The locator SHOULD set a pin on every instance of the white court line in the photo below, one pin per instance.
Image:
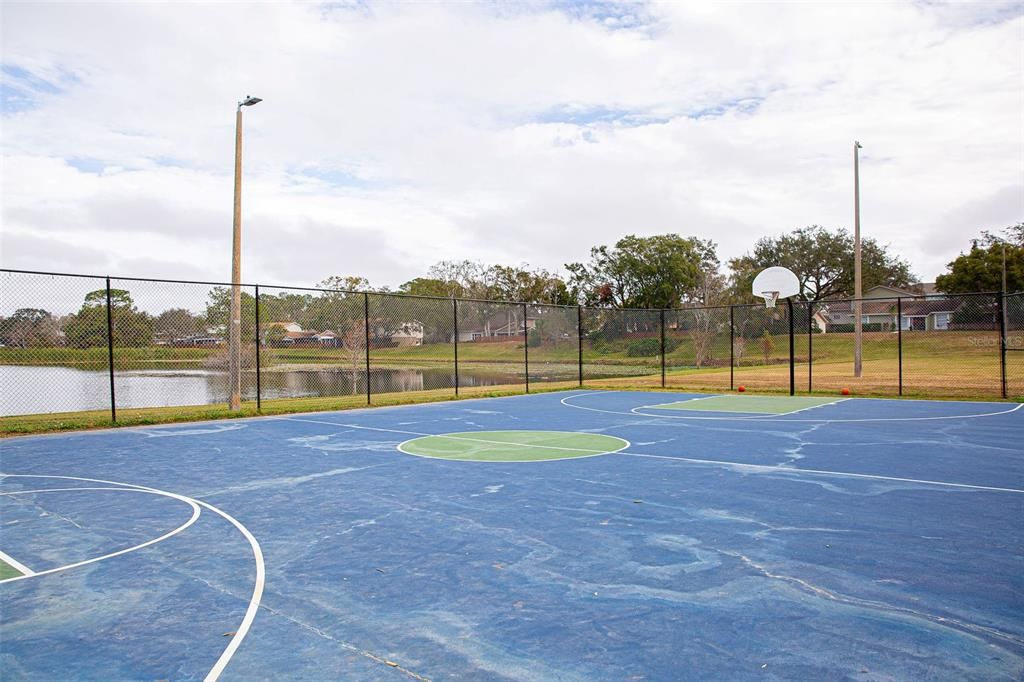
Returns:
(472, 440)
(257, 592)
(15, 564)
(172, 533)
(753, 415)
(595, 453)
(563, 401)
(770, 469)
(814, 407)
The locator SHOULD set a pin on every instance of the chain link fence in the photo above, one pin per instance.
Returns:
(412, 344)
(833, 346)
(75, 343)
(698, 348)
(492, 345)
(170, 342)
(621, 347)
(761, 347)
(952, 346)
(1013, 353)
(553, 342)
(55, 355)
(312, 343)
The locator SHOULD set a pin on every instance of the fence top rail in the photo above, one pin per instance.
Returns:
(396, 294)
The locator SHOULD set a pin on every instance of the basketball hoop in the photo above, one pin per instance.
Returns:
(770, 298)
(774, 283)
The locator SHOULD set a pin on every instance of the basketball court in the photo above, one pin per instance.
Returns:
(577, 535)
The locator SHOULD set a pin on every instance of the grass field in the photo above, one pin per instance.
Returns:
(963, 365)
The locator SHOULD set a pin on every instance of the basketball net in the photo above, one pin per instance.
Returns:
(770, 298)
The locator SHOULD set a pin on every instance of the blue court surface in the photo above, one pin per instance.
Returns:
(857, 539)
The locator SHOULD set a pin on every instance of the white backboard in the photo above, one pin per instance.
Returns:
(776, 279)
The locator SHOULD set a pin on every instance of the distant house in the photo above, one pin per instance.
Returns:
(820, 320)
(197, 341)
(496, 327)
(285, 326)
(408, 334)
(292, 334)
(328, 339)
(879, 309)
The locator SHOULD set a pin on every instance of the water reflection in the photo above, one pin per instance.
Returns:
(66, 389)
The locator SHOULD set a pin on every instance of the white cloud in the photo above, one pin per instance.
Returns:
(396, 135)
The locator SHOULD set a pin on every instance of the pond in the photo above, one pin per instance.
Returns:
(36, 390)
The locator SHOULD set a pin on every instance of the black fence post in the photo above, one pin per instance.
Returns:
(110, 355)
(366, 333)
(732, 348)
(899, 341)
(792, 359)
(810, 346)
(526, 348)
(259, 404)
(1001, 307)
(663, 348)
(455, 319)
(579, 338)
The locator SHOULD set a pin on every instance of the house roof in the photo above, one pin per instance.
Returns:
(917, 289)
(885, 290)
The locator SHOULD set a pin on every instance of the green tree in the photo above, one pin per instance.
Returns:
(286, 306)
(822, 261)
(346, 283)
(273, 335)
(522, 285)
(981, 268)
(88, 327)
(663, 271)
(176, 323)
(428, 286)
(29, 327)
(218, 308)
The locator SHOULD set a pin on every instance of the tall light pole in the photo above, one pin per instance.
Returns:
(858, 327)
(235, 318)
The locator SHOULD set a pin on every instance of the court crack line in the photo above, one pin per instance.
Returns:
(346, 645)
(774, 469)
(941, 621)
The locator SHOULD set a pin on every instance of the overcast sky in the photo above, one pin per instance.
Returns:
(395, 135)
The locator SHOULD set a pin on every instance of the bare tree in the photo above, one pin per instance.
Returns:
(353, 343)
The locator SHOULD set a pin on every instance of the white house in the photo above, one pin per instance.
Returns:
(409, 334)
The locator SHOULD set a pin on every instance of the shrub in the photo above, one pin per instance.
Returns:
(645, 348)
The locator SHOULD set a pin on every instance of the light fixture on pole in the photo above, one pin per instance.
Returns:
(235, 316)
(858, 325)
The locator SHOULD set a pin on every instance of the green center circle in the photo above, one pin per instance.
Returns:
(513, 446)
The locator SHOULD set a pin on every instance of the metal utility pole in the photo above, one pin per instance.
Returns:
(1004, 268)
(858, 327)
(235, 316)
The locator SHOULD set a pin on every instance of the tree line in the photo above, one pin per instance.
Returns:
(660, 271)
(672, 271)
